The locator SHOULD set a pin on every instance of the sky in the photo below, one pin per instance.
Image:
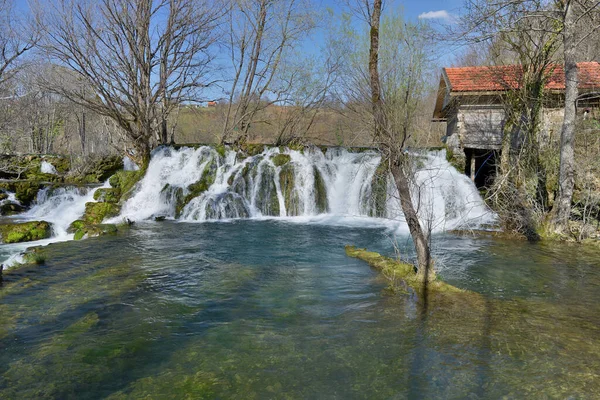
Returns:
(436, 12)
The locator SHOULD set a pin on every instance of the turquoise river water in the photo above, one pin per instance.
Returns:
(275, 310)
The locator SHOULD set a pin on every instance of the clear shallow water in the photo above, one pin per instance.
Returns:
(270, 309)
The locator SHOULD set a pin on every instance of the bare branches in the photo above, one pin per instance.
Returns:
(136, 60)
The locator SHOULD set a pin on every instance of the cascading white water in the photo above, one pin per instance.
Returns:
(201, 184)
(60, 206)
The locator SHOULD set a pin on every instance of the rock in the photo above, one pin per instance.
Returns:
(95, 213)
(3, 196)
(83, 229)
(287, 182)
(320, 192)
(11, 208)
(281, 159)
(125, 181)
(25, 231)
(160, 218)
(25, 191)
(107, 195)
(102, 169)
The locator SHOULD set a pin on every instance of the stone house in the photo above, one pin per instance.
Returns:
(470, 102)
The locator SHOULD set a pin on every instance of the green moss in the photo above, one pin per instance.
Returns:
(287, 179)
(397, 271)
(197, 188)
(457, 160)
(252, 149)
(320, 192)
(125, 181)
(25, 231)
(34, 256)
(280, 159)
(26, 192)
(101, 169)
(107, 195)
(379, 191)
(95, 213)
(221, 150)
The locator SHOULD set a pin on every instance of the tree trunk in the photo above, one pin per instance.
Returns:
(566, 177)
(394, 150)
(420, 239)
(376, 101)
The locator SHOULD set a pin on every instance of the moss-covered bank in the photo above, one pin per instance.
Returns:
(399, 272)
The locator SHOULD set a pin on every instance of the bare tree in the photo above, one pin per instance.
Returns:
(261, 33)
(388, 93)
(17, 36)
(140, 58)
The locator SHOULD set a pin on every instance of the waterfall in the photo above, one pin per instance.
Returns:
(60, 206)
(203, 184)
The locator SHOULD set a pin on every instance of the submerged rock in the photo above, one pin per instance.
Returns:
(83, 229)
(25, 231)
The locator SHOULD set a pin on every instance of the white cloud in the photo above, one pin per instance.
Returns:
(441, 14)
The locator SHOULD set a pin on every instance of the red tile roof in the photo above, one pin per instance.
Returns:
(499, 78)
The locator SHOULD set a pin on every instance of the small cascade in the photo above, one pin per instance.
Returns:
(206, 183)
(60, 206)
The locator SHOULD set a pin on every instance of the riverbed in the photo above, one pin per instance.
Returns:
(275, 309)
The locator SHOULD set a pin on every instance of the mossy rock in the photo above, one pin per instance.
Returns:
(287, 182)
(320, 192)
(3, 196)
(34, 256)
(93, 230)
(83, 229)
(25, 231)
(457, 160)
(221, 150)
(107, 195)
(267, 200)
(280, 159)
(379, 191)
(125, 181)
(252, 149)
(95, 213)
(11, 208)
(197, 188)
(25, 191)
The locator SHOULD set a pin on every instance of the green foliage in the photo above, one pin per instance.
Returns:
(25, 231)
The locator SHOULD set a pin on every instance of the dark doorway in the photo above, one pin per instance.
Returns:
(480, 165)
